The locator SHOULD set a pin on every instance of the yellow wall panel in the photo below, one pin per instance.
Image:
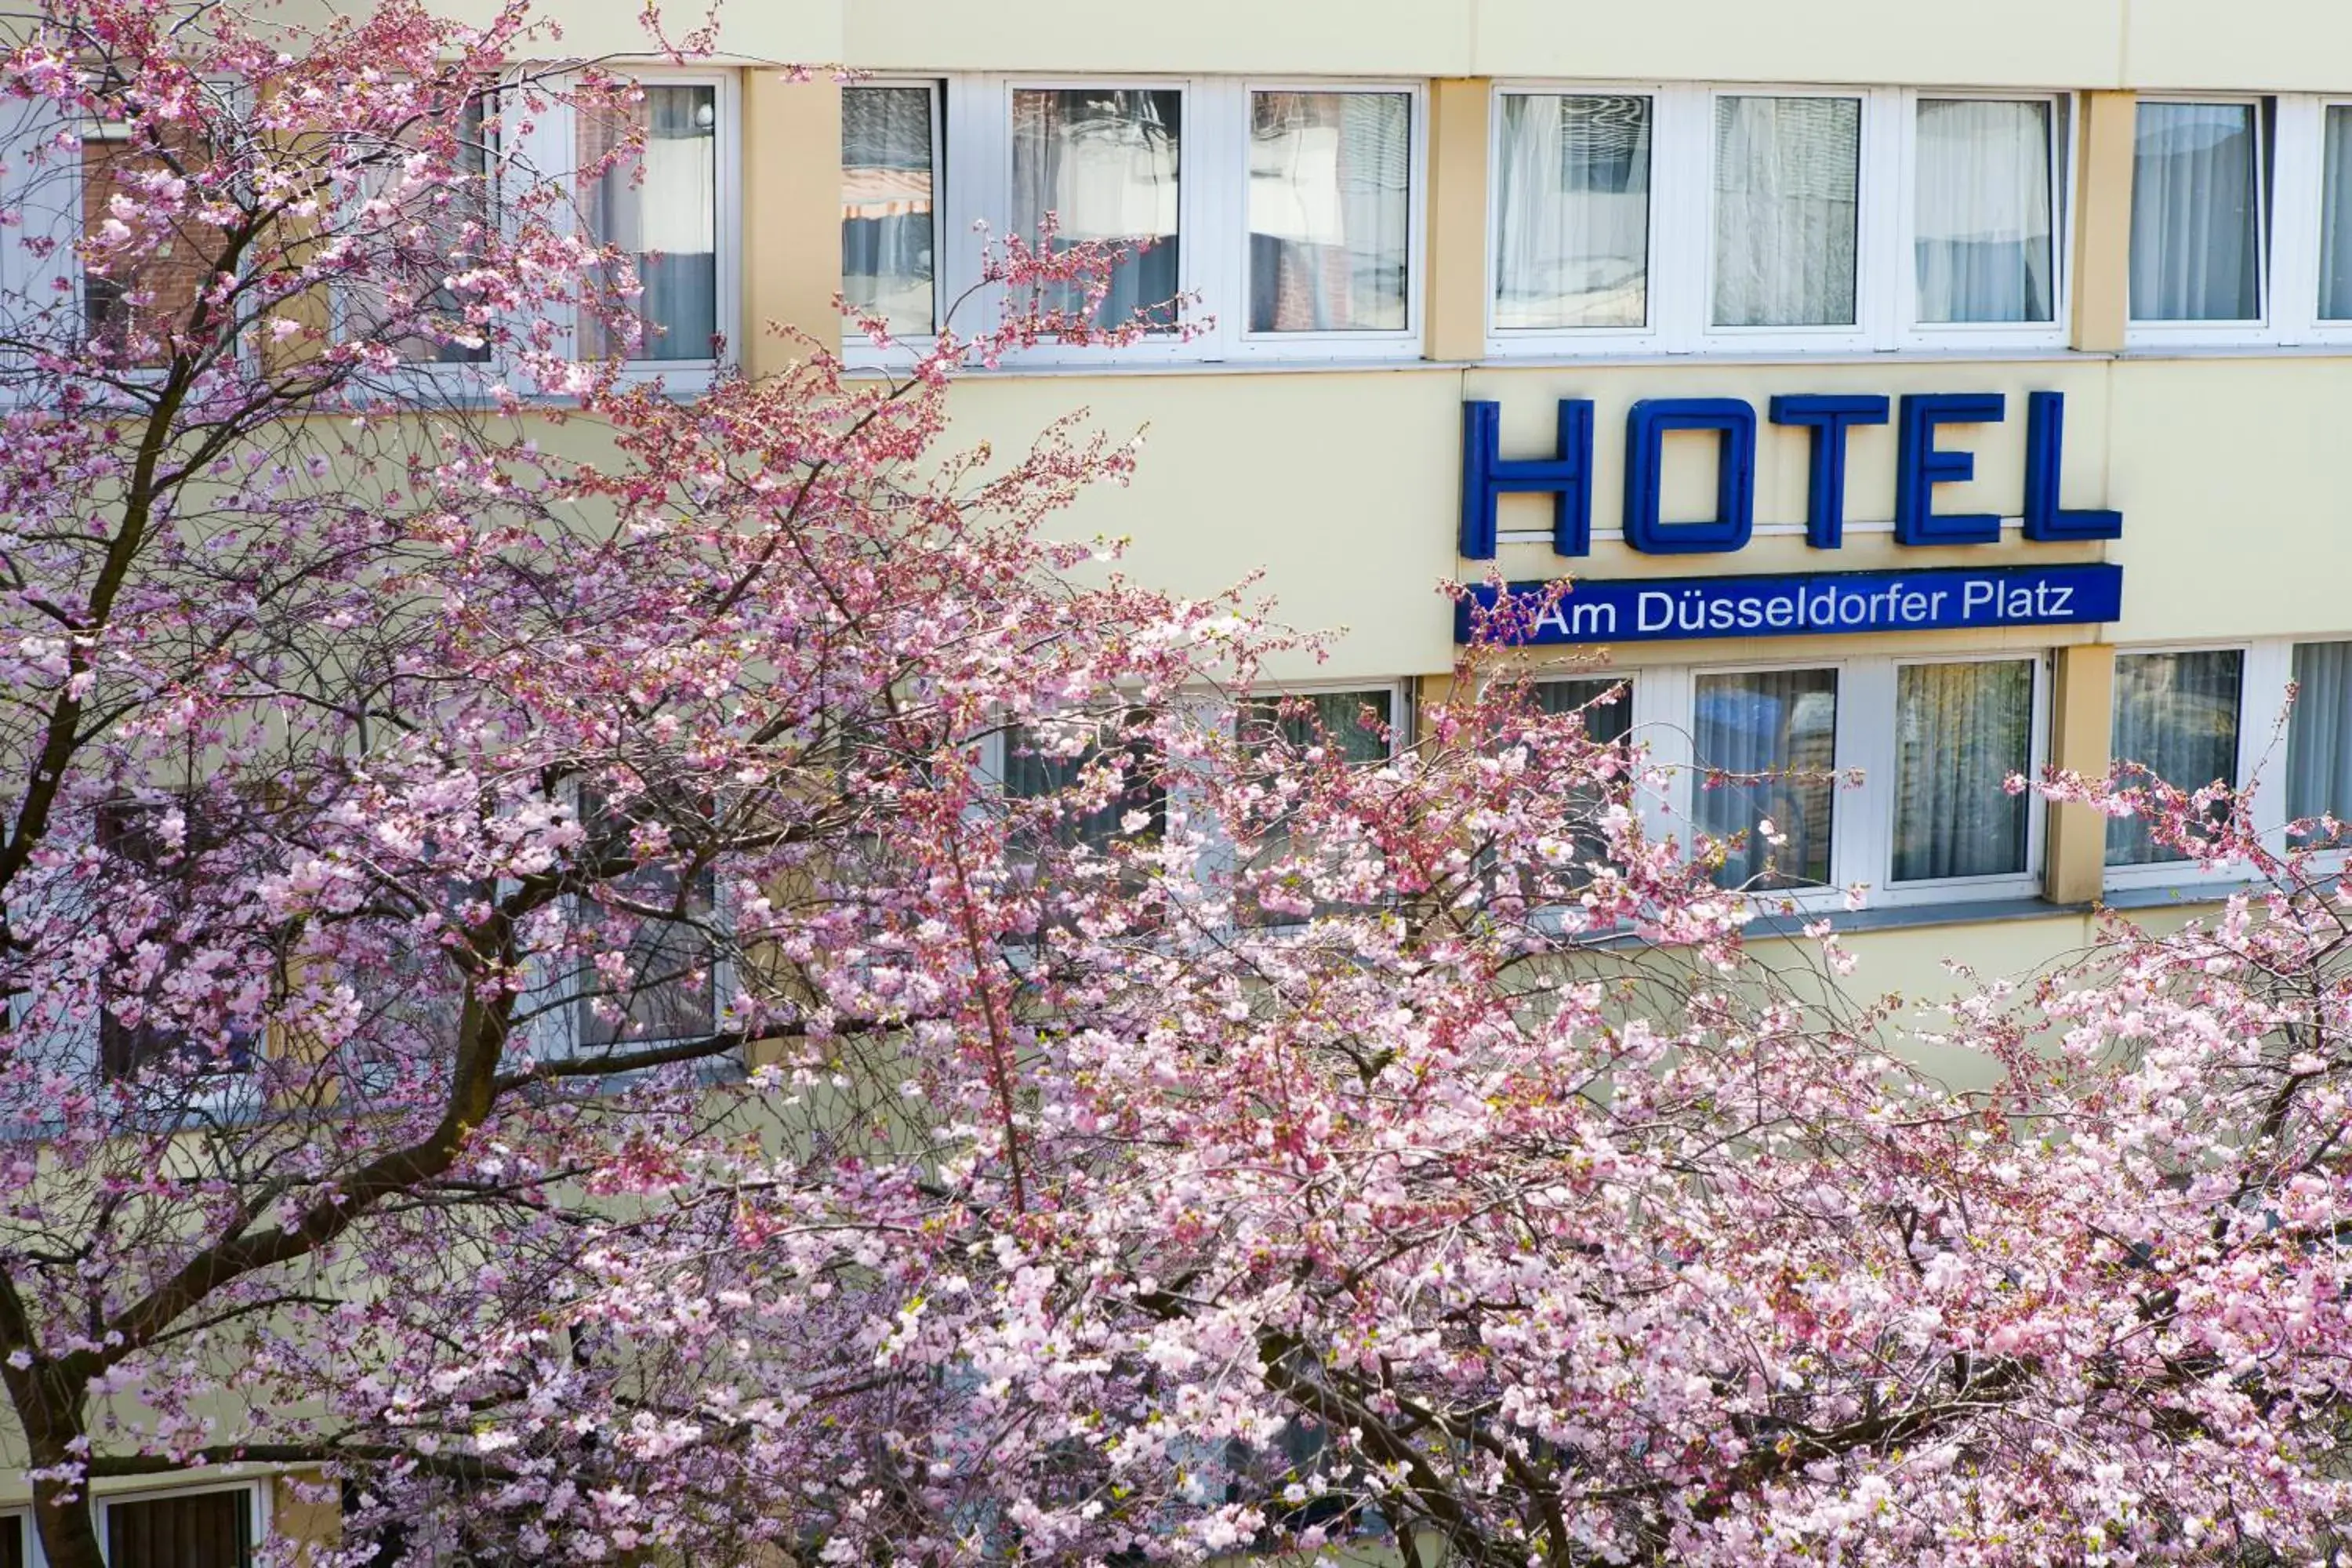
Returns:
(1379, 37)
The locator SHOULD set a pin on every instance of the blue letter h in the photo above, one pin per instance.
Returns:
(1567, 478)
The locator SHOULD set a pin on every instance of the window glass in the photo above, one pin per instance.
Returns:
(1328, 211)
(150, 861)
(2176, 719)
(1607, 705)
(1786, 183)
(661, 210)
(133, 306)
(12, 1540)
(1032, 773)
(1984, 219)
(889, 206)
(1960, 731)
(1782, 724)
(440, 233)
(192, 1530)
(1103, 161)
(2319, 732)
(2195, 255)
(2336, 217)
(1357, 722)
(670, 990)
(1572, 218)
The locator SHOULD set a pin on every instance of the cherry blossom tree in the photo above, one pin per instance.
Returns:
(611, 975)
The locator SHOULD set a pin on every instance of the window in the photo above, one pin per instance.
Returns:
(1961, 729)
(1675, 218)
(1330, 220)
(436, 235)
(1983, 246)
(153, 851)
(1572, 211)
(136, 307)
(14, 1528)
(662, 212)
(1782, 722)
(1361, 725)
(1105, 163)
(2336, 216)
(1787, 236)
(1266, 218)
(2176, 717)
(2319, 732)
(183, 1530)
(2196, 213)
(668, 986)
(1038, 766)
(1607, 705)
(889, 205)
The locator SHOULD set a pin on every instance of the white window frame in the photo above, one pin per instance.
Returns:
(975, 173)
(1880, 758)
(1681, 286)
(2298, 219)
(2264, 328)
(257, 1499)
(2262, 686)
(1875, 151)
(857, 353)
(552, 146)
(1664, 722)
(1969, 337)
(1668, 104)
(1404, 344)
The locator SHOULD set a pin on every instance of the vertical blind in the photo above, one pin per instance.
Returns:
(1961, 729)
(1104, 162)
(1329, 211)
(1984, 213)
(2336, 217)
(1780, 724)
(2176, 717)
(193, 1529)
(1573, 212)
(1786, 179)
(2195, 252)
(889, 206)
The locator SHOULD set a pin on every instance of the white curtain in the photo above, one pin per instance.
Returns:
(1779, 722)
(1984, 210)
(2193, 245)
(1572, 215)
(2336, 218)
(1787, 173)
(666, 218)
(1330, 219)
(1960, 731)
(2177, 720)
(887, 215)
(1105, 163)
(2319, 735)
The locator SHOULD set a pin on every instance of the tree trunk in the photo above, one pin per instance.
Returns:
(61, 1512)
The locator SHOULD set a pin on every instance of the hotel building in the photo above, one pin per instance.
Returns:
(1936, 396)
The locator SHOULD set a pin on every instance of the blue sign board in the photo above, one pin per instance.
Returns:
(1808, 604)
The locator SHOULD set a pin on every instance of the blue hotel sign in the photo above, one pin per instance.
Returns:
(1810, 603)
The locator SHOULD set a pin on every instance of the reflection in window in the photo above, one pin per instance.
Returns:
(2319, 733)
(1329, 215)
(1984, 215)
(2176, 717)
(1960, 731)
(889, 206)
(1103, 161)
(2195, 253)
(661, 211)
(439, 233)
(1572, 219)
(1781, 724)
(1787, 178)
(133, 305)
